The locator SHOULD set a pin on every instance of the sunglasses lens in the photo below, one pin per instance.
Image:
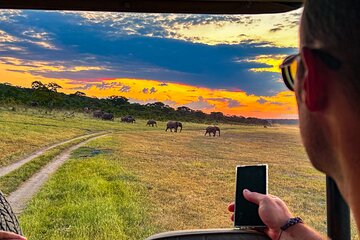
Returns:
(289, 70)
(292, 72)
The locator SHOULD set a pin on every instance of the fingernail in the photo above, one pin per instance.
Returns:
(246, 191)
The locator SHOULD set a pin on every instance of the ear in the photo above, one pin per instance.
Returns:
(315, 79)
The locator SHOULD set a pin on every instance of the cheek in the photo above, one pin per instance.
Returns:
(315, 143)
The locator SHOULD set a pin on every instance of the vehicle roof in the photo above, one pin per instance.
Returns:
(160, 6)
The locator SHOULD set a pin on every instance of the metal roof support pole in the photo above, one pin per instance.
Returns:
(338, 213)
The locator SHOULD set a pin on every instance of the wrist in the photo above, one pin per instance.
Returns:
(300, 232)
(291, 222)
(289, 226)
(295, 232)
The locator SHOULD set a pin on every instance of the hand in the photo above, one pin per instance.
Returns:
(272, 211)
(10, 236)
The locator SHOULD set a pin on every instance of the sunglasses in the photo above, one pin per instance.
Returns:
(290, 65)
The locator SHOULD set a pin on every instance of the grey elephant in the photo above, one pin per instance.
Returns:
(128, 119)
(98, 113)
(173, 125)
(213, 130)
(131, 120)
(151, 123)
(107, 116)
(87, 110)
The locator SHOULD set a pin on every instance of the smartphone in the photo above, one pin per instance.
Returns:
(253, 178)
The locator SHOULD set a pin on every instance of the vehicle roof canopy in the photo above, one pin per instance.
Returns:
(160, 6)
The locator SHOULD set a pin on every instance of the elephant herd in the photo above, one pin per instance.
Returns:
(175, 125)
(171, 125)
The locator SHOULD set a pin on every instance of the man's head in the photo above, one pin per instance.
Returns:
(335, 27)
(329, 32)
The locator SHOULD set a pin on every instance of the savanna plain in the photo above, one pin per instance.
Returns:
(139, 180)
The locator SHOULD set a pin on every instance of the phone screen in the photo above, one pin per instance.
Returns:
(253, 178)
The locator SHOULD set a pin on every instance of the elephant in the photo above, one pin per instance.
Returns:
(98, 113)
(34, 104)
(124, 119)
(87, 110)
(213, 130)
(151, 123)
(173, 125)
(128, 119)
(107, 116)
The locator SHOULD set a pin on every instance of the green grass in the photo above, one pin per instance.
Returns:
(146, 178)
(24, 132)
(90, 197)
(11, 181)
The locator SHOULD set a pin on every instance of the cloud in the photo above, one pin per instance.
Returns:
(9, 15)
(264, 63)
(145, 90)
(205, 29)
(262, 101)
(277, 29)
(7, 38)
(153, 90)
(233, 103)
(106, 86)
(200, 104)
(125, 88)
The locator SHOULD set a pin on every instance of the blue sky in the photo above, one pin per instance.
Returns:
(229, 53)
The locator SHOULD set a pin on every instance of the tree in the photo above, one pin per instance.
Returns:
(37, 85)
(216, 115)
(156, 105)
(80, 94)
(185, 109)
(53, 86)
(118, 100)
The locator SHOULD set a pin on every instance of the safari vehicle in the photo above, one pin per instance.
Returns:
(337, 210)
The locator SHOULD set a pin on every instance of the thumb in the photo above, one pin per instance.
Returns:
(253, 197)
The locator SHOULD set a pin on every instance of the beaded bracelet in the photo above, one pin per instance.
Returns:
(290, 222)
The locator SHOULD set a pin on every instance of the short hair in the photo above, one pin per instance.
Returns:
(336, 24)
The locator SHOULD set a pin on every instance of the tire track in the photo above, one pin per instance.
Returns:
(9, 168)
(20, 197)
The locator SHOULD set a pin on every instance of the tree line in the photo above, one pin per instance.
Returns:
(47, 96)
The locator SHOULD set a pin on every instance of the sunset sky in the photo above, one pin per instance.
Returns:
(226, 63)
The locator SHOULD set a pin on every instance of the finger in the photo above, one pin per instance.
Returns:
(272, 196)
(231, 207)
(253, 197)
(9, 235)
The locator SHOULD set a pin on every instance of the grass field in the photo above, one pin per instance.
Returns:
(11, 181)
(22, 133)
(144, 178)
(91, 197)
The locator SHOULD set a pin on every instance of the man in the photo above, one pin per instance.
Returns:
(325, 76)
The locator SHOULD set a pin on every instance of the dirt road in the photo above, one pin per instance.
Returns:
(19, 198)
(7, 169)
